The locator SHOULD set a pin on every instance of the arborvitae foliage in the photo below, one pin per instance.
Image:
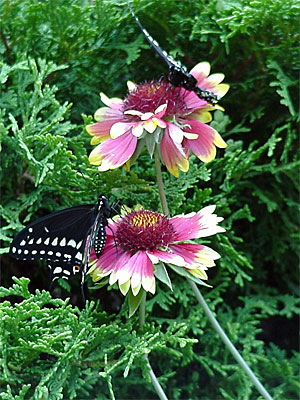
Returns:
(56, 56)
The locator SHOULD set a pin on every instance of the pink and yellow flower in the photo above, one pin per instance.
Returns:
(141, 240)
(158, 114)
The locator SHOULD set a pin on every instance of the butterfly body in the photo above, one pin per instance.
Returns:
(178, 74)
(65, 238)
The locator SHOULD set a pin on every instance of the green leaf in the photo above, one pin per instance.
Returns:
(183, 272)
(134, 301)
(161, 273)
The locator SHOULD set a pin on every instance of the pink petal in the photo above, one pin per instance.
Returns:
(186, 227)
(119, 128)
(139, 268)
(115, 152)
(106, 113)
(195, 225)
(192, 101)
(188, 251)
(161, 110)
(200, 71)
(173, 155)
(176, 133)
(204, 146)
(100, 129)
(167, 256)
(114, 103)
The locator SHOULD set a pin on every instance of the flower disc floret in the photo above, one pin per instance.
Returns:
(147, 96)
(144, 230)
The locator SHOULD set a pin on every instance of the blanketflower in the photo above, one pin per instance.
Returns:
(139, 242)
(156, 113)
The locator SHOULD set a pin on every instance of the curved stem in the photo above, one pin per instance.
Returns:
(200, 298)
(154, 381)
(142, 312)
(227, 342)
(160, 183)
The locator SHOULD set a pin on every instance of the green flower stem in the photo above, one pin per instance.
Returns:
(161, 190)
(142, 312)
(200, 298)
(154, 381)
(227, 342)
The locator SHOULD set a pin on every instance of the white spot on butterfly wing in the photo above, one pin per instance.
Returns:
(57, 270)
(46, 242)
(23, 243)
(13, 249)
(63, 242)
(39, 241)
(79, 245)
(30, 241)
(78, 256)
(30, 230)
(72, 243)
(46, 229)
(55, 241)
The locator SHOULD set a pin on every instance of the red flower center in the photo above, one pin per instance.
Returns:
(144, 230)
(147, 96)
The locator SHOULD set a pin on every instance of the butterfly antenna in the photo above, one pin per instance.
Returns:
(114, 206)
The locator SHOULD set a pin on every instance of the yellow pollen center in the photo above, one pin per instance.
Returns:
(144, 220)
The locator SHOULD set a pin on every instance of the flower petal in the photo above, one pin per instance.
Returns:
(168, 257)
(221, 89)
(199, 273)
(131, 86)
(161, 110)
(201, 71)
(107, 113)
(202, 115)
(176, 133)
(119, 128)
(215, 79)
(189, 252)
(113, 152)
(195, 254)
(204, 146)
(100, 129)
(139, 270)
(202, 224)
(173, 155)
(114, 102)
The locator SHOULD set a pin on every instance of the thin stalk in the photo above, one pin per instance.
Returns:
(227, 342)
(142, 312)
(161, 189)
(200, 298)
(154, 381)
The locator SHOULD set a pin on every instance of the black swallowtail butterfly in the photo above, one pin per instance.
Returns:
(65, 238)
(178, 73)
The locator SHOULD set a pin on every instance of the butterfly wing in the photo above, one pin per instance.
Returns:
(59, 238)
(169, 60)
(178, 73)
